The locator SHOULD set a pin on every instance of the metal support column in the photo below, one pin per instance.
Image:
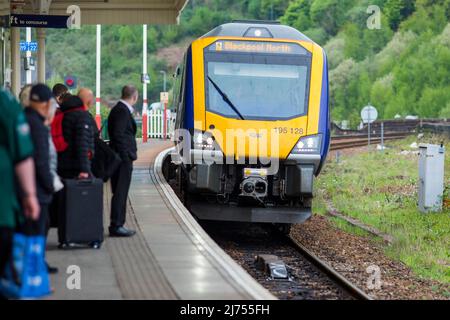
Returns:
(15, 61)
(3, 57)
(28, 55)
(144, 89)
(98, 117)
(41, 55)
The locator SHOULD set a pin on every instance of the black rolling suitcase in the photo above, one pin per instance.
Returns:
(80, 220)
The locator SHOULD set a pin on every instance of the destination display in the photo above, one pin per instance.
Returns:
(257, 47)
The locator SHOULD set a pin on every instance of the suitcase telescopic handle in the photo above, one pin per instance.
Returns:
(88, 181)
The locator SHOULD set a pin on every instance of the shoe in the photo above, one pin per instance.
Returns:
(52, 270)
(121, 232)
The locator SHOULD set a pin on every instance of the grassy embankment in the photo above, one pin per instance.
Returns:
(380, 190)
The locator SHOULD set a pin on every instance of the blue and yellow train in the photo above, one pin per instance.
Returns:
(253, 97)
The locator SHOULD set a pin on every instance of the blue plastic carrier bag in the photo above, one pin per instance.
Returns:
(26, 276)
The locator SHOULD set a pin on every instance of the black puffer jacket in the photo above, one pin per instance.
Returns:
(79, 134)
(40, 135)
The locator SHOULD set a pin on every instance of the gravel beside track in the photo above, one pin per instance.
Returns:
(351, 255)
(244, 242)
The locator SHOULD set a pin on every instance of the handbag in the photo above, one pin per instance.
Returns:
(105, 161)
(26, 275)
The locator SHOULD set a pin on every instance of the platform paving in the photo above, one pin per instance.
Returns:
(163, 261)
(121, 269)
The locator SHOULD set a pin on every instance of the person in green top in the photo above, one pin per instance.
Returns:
(16, 162)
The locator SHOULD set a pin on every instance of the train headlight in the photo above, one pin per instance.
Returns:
(309, 144)
(210, 141)
(198, 138)
(258, 33)
(203, 141)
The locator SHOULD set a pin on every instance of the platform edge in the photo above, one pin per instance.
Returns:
(232, 268)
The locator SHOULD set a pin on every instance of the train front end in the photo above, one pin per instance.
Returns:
(256, 104)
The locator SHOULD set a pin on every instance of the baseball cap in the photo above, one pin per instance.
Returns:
(40, 93)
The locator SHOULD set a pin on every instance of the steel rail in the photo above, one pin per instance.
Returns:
(334, 275)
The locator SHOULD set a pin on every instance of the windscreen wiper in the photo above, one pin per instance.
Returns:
(225, 98)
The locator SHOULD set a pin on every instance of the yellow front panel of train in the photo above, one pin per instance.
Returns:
(256, 137)
(249, 138)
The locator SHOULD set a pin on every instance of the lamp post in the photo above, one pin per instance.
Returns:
(164, 73)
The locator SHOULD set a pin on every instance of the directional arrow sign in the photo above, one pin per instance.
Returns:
(39, 21)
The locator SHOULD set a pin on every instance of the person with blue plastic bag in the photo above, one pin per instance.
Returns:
(37, 114)
(20, 256)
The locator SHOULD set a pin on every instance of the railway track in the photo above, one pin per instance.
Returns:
(359, 140)
(344, 283)
(393, 130)
(309, 277)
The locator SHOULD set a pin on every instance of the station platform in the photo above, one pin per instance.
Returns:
(170, 257)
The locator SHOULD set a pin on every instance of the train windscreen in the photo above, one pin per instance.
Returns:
(253, 86)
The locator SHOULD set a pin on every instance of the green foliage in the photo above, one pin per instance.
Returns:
(397, 11)
(298, 15)
(402, 68)
(329, 14)
(72, 52)
(385, 186)
(445, 113)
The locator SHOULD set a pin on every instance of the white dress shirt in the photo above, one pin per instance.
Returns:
(130, 107)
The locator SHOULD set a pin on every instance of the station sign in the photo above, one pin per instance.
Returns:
(39, 21)
(164, 97)
(28, 46)
(257, 47)
(369, 114)
(71, 81)
(145, 78)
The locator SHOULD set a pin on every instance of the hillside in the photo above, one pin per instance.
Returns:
(401, 68)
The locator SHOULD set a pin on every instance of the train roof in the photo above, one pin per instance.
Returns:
(271, 30)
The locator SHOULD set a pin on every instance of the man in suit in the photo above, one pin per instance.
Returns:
(122, 132)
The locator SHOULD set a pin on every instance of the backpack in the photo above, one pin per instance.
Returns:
(105, 162)
(57, 130)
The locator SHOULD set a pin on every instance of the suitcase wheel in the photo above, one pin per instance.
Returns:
(64, 246)
(95, 245)
(68, 246)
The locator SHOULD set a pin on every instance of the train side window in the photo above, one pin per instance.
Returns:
(176, 88)
(179, 90)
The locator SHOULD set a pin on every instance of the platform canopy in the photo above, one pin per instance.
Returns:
(126, 12)
(4, 7)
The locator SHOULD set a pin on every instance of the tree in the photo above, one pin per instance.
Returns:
(297, 15)
(329, 14)
(397, 11)
(355, 47)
